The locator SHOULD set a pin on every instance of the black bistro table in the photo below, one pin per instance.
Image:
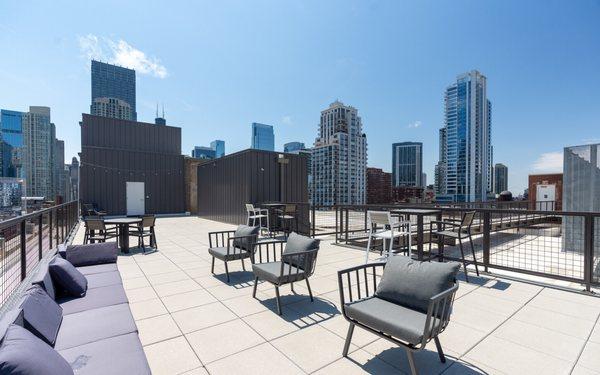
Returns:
(419, 213)
(123, 223)
(272, 208)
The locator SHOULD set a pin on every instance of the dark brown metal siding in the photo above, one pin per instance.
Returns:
(116, 151)
(251, 176)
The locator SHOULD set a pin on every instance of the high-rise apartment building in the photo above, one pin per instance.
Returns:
(291, 147)
(440, 167)
(466, 170)
(379, 186)
(263, 137)
(59, 173)
(111, 107)
(202, 152)
(339, 158)
(500, 178)
(38, 161)
(11, 144)
(219, 147)
(407, 164)
(113, 82)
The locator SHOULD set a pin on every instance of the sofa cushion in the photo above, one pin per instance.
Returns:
(94, 298)
(120, 354)
(14, 316)
(93, 325)
(98, 280)
(272, 272)
(68, 277)
(99, 268)
(92, 254)
(41, 314)
(43, 278)
(412, 283)
(244, 230)
(297, 243)
(388, 317)
(24, 354)
(234, 253)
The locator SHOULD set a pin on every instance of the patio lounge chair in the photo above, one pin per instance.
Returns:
(279, 264)
(231, 245)
(410, 306)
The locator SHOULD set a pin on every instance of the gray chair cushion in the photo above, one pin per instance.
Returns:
(93, 325)
(14, 316)
(92, 254)
(387, 317)
(272, 272)
(43, 278)
(234, 253)
(297, 243)
(94, 298)
(24, 354)
(244, 230)
(116, 355)
(98, 280)
(68, 277)
(42, 316)
(99, 268)
(412, 283)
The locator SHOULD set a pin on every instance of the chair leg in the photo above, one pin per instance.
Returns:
(309, 290)
(348, 339)
(243, 265)
(292, 287)
(473, 252)
(439, 349)
(227, 271)
(462, 253)
(278, 300)
(212, 266)
(411, 362)
(383, 251)
(368, 249)
(254, 289)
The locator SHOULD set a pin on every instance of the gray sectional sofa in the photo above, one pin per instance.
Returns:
(96, 333)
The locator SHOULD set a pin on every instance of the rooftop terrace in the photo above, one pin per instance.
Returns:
(192, 322)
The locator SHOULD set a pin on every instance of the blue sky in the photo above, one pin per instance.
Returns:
(219, 66)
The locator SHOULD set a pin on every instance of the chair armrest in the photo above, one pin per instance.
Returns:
(251, 241)
(267, 251)
(92, 254)
(438, 313)
(304, 260)
(223, 236)
(443, 223)
(360, 282)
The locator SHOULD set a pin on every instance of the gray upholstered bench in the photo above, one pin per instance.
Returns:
(94, 334)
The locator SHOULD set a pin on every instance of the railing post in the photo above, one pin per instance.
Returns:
(346, 225)
(40, 236)
(487, 227)
(338, 223)
(23, 238)
(57, 226)
(50, 228)
(588, 251)
(313, 216)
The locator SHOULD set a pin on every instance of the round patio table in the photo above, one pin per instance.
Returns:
(123, 223)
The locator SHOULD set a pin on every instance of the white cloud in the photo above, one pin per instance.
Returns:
(286, 120)
(549, 162)
(414, 125)
(120, 53)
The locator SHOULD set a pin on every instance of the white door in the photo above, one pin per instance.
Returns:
(545, 197)
(135, 198)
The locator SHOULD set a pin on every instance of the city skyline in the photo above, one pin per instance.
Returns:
(399, 101)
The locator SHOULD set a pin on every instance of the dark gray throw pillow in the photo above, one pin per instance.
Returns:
(242, 231)
(21, 353)
(412, 283)
(68, 277)
(92, 254)
(14, 316)
(297, 243)
(42, 315)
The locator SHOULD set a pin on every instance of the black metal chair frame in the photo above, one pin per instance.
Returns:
(103, 234)
(140, 233)
(225, 238)
(287, 216)
(438, 311)
(462, 228)
(272, 251)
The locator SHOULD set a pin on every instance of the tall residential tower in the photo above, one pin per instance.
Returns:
(407, 164)
(339, 158)
(263, 137)
(466, 172)
(113, 91)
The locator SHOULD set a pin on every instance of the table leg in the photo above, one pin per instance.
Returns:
(92, 233)
(420, 237)
(124, 238)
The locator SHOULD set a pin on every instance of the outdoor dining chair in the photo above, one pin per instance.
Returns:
(288, 218)
(254, 214)
(383, 226)
(230, 245)
(145, 229)
(96, 230)
(285, 262)
(457, 230)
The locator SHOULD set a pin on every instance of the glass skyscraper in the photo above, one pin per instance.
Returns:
(263, 137)
(11, 144)
(293, 147)
(219, 148)
(407, 164)
(467, 161)
(201, 152)
(500, 178)
(112, 82)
